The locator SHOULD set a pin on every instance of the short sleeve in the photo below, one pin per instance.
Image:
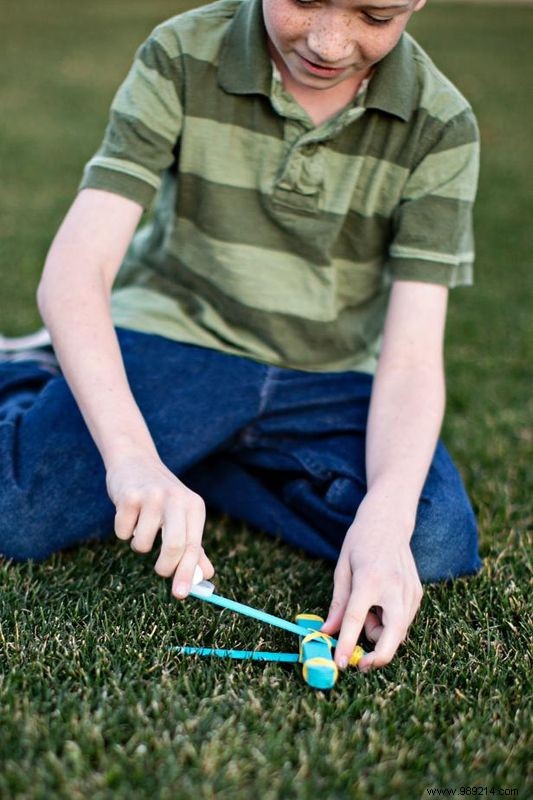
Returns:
(433, 238)
(144, 124)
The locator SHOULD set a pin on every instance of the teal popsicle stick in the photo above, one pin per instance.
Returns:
(252, 655)
(255, 613)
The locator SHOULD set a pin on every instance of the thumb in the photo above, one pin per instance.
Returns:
(339, 601)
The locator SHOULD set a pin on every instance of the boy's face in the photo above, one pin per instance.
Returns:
(320, 43)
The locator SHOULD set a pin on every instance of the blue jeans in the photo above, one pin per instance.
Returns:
(278, 448)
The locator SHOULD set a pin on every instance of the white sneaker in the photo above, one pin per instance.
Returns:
(14, 344)
(34, 347)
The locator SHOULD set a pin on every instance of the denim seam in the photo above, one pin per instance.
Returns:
(266, 390)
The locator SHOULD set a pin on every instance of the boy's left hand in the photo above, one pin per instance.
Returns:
(376, 587)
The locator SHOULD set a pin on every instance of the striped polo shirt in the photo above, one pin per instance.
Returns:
(270, 237)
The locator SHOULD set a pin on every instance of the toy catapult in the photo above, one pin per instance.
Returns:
(315, 648)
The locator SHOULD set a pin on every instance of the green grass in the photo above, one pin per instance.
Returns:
(91, 704)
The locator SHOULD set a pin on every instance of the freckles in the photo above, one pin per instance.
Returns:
(343, 33)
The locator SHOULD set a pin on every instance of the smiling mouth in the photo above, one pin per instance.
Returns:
(319, 69)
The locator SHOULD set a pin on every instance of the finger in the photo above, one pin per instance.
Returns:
(148, 524)
(181, 585)
(191, 556)
(394, 631)
(352, 624)
(205, 565)
(173, 540)
(126, 518)
(339, 600)
(373, 627)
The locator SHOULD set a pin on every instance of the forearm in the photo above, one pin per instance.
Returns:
(73, 299)
(405, 418)
(85, 342)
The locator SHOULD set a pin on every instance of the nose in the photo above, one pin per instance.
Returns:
(331, 42)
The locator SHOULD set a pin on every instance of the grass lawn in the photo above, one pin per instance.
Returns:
(91, 704)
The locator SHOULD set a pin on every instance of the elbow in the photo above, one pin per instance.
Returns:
(44, 298)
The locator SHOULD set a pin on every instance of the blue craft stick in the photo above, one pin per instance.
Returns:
(252, 655)
(255, 613)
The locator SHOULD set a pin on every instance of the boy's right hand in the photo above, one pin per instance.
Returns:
(149, 498)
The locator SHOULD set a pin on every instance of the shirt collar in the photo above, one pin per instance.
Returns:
(393, 87)
(245, 66)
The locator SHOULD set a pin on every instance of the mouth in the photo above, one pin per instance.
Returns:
(320, 70)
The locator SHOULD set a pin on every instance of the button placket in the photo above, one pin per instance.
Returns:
(302, 174)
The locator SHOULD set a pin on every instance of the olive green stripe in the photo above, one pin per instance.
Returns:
(450, 173)
(459, 131)
(200, 30)
(244, 215)
(441, 99)
(404, 143)
(419, 254)
(153, 56)
(261, 279)
(127, 167)
(435, 225)
(411, 269)
(256, 278)
(205, 99)
(154, 99)
(236, 215)
(118, 183)
(128, 138)
(208, 144)
(366, 185)
(301, 341)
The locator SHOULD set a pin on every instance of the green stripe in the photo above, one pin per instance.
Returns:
(404, 144)
(127, 137)
(439, 96)
(450, 173)
(260, 279)
(206, 100)
(459, 131)
(411, 269)
(435, 225)
(366, 185)
(119, 183)
(154, 99)
(362, 238)
(243, 215)
(420, 254)
(178, 36)
(273, 336)
(236, 215)
(127, 167)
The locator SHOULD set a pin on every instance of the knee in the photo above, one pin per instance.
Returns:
(445, 541)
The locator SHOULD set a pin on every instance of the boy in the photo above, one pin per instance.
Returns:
(316, 175)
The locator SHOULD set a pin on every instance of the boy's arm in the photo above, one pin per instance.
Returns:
(376, 567)
(73, 298)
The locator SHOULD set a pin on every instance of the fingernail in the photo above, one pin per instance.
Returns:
(181, 590)
(343, 662)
